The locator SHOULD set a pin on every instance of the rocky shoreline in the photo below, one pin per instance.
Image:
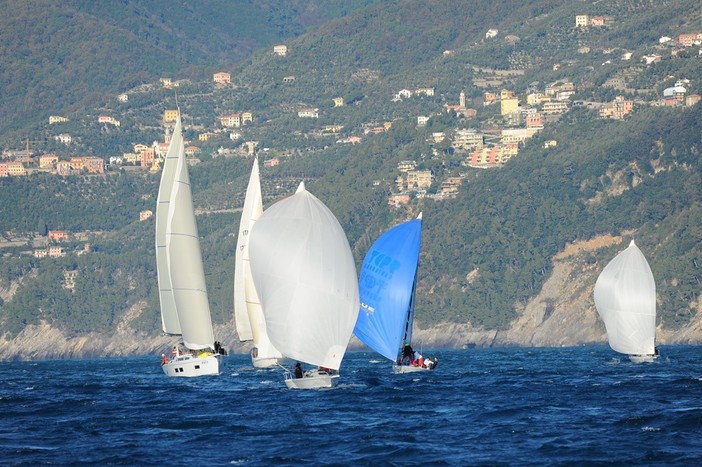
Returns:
(561, 315)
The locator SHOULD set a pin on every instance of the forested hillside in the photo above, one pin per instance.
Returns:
(484, 253)
(70, 56)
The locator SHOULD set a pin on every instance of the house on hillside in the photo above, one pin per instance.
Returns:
(597, 21)
(222, 78)
(170, 115)
(57, 119)
(58, 236)
(308, 113)
(47, 161)
(64, 138)
(231, 120)
(582, 21)
(617, 109)
(108, 119)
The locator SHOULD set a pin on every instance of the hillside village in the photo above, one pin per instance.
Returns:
(522, 114)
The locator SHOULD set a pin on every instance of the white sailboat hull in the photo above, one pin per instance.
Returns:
(408, 368)
(312, 379)
(189, 366)
(268, 362)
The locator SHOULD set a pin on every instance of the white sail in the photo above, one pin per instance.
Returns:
(625, 297)
(252, 210)
(187, 274)
(169, 315)
(250, 322)
(306, 279)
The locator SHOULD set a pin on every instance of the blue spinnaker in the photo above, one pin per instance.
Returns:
(386, 287)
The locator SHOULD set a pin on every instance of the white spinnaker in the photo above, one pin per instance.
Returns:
(306, 279)
(625, 297)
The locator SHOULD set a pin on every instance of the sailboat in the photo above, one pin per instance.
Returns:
(185, 309)
(387, 287)
(248, 315)
(305, 276)
(625, 297)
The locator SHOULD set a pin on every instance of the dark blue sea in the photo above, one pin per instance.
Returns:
(583, 405)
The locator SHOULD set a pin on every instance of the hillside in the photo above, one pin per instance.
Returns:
(492, 261)
(61, 57)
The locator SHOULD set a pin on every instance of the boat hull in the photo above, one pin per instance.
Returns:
(188, 366)
(650, 358)
(409, 369)
(267, 362)
(312, 380)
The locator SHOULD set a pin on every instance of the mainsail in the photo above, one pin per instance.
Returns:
(245, 295)
(625, 297)
(186, 275)
(387, 288)
(306, 279)
(250, 322)
(169, 314)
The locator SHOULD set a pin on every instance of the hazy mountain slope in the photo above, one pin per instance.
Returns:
(61, 56)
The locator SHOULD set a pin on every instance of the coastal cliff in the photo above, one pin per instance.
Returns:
(561, 315)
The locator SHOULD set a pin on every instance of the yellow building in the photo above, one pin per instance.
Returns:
(222, 78)
(170, 116)
(47, 161)
(509, 105)
(468, 139)
(582, 21)
(16, 169)
(419, 179)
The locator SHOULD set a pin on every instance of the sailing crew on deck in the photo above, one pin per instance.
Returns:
(407, 354)
(417, 359)
(298, 370)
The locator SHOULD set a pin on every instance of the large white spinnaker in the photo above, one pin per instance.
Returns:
(625, 297)
(305, 277)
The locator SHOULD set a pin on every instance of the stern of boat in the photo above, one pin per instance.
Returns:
(312, 379)
(189, 366)
(408, 368)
